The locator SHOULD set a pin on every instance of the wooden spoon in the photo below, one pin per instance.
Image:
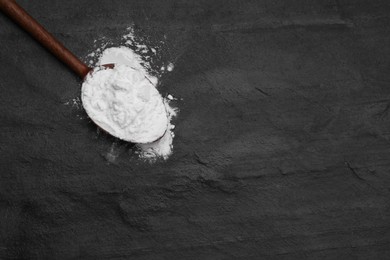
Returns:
(47, 40)
(39, 33)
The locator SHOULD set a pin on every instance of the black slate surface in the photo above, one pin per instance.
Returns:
(282, 143)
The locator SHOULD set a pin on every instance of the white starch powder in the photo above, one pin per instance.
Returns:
(109, 95)
(123, 102)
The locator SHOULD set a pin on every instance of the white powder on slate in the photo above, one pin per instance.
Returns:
(170, 67)
(130, 63)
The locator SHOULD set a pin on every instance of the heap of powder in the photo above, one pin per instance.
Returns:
(125, 103)
(123, 55)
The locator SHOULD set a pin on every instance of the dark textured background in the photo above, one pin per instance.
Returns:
(282, 147)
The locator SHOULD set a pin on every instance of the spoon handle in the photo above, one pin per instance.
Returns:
(39, 33)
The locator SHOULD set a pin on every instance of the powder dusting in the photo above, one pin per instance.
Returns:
(136, 57)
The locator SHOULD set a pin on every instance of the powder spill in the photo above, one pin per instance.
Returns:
(170, 67)
(162, 147)
(123, 55)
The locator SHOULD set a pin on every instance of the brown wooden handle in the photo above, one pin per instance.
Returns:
(21, 17)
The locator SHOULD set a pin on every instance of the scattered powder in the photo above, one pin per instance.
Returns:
(75, 102)
(123, 102)
(170, 67)
(130, 35)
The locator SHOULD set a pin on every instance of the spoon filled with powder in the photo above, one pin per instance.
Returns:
(119, 99)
